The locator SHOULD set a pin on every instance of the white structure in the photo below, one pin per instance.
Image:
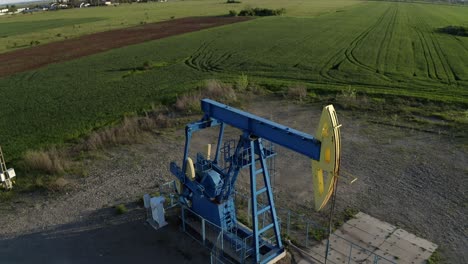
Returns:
(155, 210)
(6, 178)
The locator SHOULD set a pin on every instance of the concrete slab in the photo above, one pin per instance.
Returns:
(365, 239)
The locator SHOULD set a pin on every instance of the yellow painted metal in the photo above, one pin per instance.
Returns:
(208, 152)
(190, 172)
(325, 170)
(179, 187)
(190, 169)
(319, 184)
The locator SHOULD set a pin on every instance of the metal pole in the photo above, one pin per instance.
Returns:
(350, 251)
(330, 222)
(249, 213)
(203, 230)
(253, 191)
(188, 137)
(220, 142)
(183, 218)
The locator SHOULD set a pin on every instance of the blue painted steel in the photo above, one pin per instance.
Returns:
(210, 193)
(256, 148)
(220, 143)
(266, 178)
(189, 129)
(212, 182)
(253, 190)
(290, 138)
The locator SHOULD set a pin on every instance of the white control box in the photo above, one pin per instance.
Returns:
(11, 173)
(157, 210)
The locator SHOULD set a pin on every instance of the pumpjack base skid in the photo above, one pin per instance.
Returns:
(236, 245)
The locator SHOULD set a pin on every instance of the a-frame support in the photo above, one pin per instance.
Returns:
(257, 154)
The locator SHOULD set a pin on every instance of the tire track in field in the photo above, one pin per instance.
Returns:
(337, 59)
(452, 77)
(30, 77)
(461, 43)
(383, 54)
(205, 60)
(437, 54)
(426, 54)
(333, 62)
(351, 50)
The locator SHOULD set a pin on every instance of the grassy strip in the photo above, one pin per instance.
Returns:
(47, 169)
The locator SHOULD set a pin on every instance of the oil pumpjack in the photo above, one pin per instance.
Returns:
(207, 186)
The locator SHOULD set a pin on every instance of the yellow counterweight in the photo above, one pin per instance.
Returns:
(325, 171)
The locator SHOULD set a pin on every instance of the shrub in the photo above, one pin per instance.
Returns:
(242, 82)
(280, 12)
(213, 89)
(34, 42)
(454, 30)
(128, 132)
(262, 12)
(233, 2)
(218, 90)
(435, 258)
(121, 209)
(52, 161)
(318, 234)
(232, 13)
(188, 103)
(297, 93)
(347, 98)
(147, 65)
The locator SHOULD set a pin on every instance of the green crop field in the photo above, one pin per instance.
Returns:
(19, 30)
(377, 48)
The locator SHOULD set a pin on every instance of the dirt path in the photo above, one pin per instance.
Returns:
(411, 179)
(35, 57)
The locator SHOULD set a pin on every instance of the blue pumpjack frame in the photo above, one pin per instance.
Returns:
(255, 129)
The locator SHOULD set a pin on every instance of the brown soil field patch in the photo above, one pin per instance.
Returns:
(35, 57)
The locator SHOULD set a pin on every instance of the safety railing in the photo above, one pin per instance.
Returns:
(167, 190)
(294, 227)
(306, 234)
(225, 245)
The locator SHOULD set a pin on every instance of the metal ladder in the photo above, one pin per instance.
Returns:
(256, 148)
(3, 168)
